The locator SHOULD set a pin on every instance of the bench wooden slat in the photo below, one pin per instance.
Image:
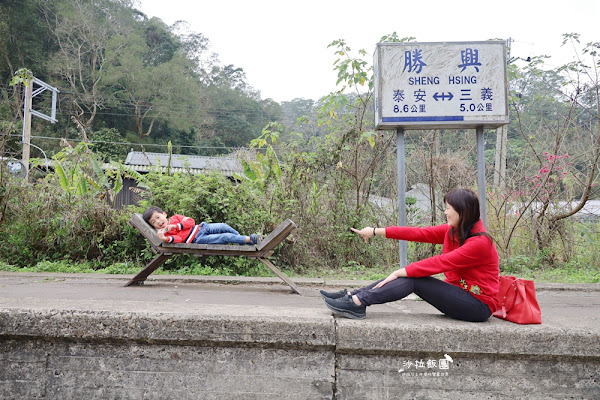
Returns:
(277, 236)
(210, 251)
(137, 222)
(193, 247)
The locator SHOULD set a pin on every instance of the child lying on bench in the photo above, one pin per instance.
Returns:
(261, 251)
(182, 229)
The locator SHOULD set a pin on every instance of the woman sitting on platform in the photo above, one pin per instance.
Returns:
(469, 261)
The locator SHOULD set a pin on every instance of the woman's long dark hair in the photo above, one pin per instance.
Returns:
(466, 204)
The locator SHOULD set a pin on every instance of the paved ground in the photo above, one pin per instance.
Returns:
(563, 306)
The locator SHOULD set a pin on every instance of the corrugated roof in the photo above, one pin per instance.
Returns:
(145, 162)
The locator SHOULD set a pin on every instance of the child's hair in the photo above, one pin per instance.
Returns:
(149, 211)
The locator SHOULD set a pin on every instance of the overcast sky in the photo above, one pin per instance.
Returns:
(282, 45)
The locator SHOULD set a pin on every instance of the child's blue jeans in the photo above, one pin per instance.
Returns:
(218, 233)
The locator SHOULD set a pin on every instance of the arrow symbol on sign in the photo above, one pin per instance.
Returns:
(443, 96)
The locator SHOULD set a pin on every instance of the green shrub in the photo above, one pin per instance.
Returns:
(210, 198)
(43, 223)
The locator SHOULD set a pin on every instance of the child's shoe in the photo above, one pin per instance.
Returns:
(255, 238)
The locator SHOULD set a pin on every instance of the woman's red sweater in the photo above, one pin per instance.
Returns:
(472, 266)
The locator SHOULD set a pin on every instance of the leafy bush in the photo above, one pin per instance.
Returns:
(43, 223)
(210, 198)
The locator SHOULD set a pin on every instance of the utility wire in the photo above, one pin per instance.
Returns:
(141, 144)
(173, 107)
(129, 143)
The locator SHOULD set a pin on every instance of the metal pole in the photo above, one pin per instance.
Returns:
(27, 124)
(401, 192)
(481, 175)
(53, 112)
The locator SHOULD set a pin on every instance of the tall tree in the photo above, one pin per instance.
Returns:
(151, 79)
(22, 41)
(81, 30)
(238, 113)
(302, 113)
(553, 152)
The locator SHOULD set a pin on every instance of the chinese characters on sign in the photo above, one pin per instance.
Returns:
(414, 61)
(440, 85)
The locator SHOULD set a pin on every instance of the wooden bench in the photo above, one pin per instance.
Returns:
(260, 251)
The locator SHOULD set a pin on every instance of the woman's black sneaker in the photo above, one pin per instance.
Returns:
(345, 307)
(333, 295)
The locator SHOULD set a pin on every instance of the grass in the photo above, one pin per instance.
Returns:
(577, 271)
(68, 267)
(352, 271)
(558, 275)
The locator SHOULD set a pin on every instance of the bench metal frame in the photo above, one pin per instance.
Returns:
(260, 251)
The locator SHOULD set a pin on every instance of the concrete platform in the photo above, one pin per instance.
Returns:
(83, 335)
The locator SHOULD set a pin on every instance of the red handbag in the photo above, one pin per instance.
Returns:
(517, 301)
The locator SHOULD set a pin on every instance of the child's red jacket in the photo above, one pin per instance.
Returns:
(186, 229)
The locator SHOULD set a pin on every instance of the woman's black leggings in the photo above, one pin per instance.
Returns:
(449, 299)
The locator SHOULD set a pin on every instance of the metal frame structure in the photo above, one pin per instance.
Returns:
(28, 111)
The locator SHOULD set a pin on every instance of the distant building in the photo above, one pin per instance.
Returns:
(146, 162)
(421, 192)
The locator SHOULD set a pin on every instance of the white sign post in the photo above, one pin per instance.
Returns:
(454, 85)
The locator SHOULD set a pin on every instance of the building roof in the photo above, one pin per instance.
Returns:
(146, 162)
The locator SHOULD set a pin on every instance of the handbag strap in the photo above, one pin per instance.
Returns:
(510, 296)
(521, 289)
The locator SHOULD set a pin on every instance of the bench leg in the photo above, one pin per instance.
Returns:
(148, 269)
(280, 274)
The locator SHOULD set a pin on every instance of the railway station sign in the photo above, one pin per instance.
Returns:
(441, 85)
